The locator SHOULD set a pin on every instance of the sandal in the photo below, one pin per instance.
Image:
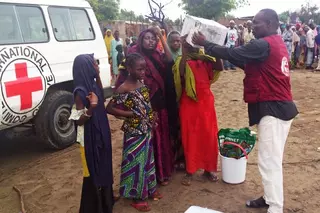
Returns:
(141, 206)
(164, 183)
(258, 203)
(211, 176)
(187, 179)
(156, 196)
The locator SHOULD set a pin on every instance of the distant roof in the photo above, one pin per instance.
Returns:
(246, 18)
(66, 3)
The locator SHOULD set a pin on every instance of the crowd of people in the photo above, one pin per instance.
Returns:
(302, 42)
(163, 96)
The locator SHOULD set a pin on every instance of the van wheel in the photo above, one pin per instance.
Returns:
(52, 123)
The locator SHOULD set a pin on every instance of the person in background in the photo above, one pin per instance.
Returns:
(240, 35)
(245, 25)
(287, 36)
(300, 49)
(282, 28)
(310, 45)
(295, 46)
(174, 43)
(94, 136)
(159, 80)
(317, 40)
(132, 102)
(133, 41)
(114, 53)
(126, 47)
(108, 39)
(232, 37)
(279, 31)
(193, 75)
(267, 90)
(160, 46)
(248, 34)
(120, 55)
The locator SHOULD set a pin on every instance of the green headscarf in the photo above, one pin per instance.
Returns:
(174, 54)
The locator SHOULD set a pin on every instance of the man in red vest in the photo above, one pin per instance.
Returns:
(267, 90)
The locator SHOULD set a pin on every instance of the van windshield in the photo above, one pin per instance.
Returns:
(22, 24)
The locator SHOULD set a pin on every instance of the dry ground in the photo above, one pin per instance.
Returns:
(51, 181)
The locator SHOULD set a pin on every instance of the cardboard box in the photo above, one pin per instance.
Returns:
(213, 31)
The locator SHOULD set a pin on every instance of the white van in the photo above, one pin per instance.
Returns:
(39, 41)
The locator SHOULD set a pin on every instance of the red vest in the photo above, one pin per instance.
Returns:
(269, 80)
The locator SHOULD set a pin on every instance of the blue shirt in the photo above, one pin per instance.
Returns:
(317, 39)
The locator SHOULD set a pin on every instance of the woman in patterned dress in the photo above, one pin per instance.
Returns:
(138, 177)
(159, 80)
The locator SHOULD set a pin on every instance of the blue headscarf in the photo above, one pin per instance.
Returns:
(97, 136)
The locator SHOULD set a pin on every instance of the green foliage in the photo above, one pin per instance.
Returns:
(306, 13)
(211, 9)
(126, 15)
(284, 16)
(105, 9)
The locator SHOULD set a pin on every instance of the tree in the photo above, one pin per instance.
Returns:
(156, 13)
(306, 13)
(309, 12)
(141, 18)
(284, 16)
(126, 15)
(105, 9)
(211, 9)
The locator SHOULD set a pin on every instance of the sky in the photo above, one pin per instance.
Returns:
(172, 10)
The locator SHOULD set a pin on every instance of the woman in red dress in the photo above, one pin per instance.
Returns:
(193, 75)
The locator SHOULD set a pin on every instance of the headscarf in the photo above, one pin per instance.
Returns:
(174, 53)
(97, 136)
(155, 65)
(107, 41)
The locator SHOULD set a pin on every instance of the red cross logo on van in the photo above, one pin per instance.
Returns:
(25, 76)
(23, 86)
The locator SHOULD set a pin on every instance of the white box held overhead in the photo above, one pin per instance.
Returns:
(213, 31)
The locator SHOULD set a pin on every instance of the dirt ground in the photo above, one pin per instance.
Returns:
(51, 181)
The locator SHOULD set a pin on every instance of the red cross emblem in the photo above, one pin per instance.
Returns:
(23, 86)
(232, 37)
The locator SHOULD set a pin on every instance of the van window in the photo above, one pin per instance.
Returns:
(32, 24)
(70, 24)
(10, 32)
(62, 24)
(22, 24)
(82, 24)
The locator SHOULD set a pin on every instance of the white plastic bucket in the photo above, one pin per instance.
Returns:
(234, 170)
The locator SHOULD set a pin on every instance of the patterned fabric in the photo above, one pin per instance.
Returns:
(137, 101)
(138, 178)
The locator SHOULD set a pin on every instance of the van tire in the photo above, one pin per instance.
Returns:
(52, 123)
